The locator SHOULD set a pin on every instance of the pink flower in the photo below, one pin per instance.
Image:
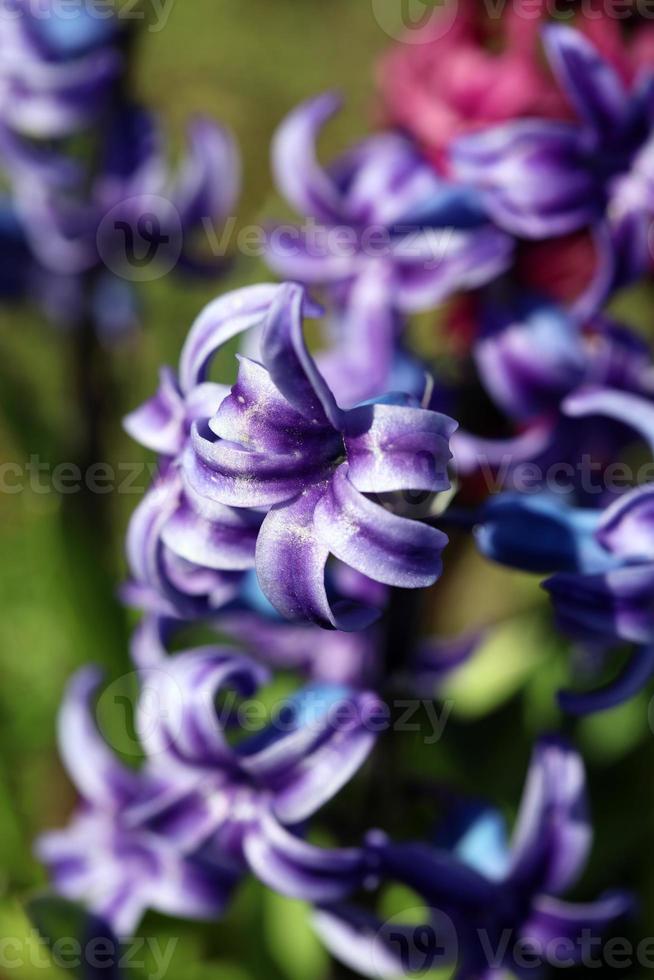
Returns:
(481, 71)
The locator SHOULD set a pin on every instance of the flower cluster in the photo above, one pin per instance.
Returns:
(92, 204)
(299, 510)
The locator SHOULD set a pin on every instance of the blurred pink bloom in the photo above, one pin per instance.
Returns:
(481, 71)
(486, 70)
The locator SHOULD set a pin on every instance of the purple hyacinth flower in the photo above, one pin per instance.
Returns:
(112, 857)
(605, 607)
(187, 554)
(280, 443)
(542, 179)
(383, 233)
(489, 900)
(530, 357)
(177, 834)
(57, 69)
(133, 189)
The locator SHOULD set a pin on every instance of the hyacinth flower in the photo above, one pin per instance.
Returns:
(279, 445)
(600, 560)
(118, 856)
(530, 356)
(605, 607)
(490, 900)
(177, 834)
(187, 554)
(542, 179)
(135, 217)
(58, 68)
(383, 233)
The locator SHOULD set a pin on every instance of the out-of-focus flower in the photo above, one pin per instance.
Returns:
(602, 560)
(480, 71)
(133, 219)
(176, 835)
(124, 852)
(58, 67)
(530, 356)
(542, 179)
(489, 900)
(605, 607)
(279, 443)
(383, 233)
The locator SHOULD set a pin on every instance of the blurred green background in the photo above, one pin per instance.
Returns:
(248, 64)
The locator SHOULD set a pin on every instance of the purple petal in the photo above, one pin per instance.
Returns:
(209, 182)
(98, 775)
(291, 561)
(556, 920)
(630, 682)
(258, 417)
(327, 656)
(445, 882)
(553, 834)
(299, 870)
(592, 86)
(613, 606)
(204, 401)
(435, 263)
(390, 447)
(159, 424)
(533, 177)
(290, 365)
(627, 526)
(340, 741)
(184, 730)
(359, 365)
(224, 472)
(212, 535)
(632, 410)
(318, 259)
(528, 366)
(389, 549)
(389, 181)
(473, 453)
(354, 937)
(148, 643)
(221, 320)
(192, 889)
(145, 527)
(298, 175)
(377, 949)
